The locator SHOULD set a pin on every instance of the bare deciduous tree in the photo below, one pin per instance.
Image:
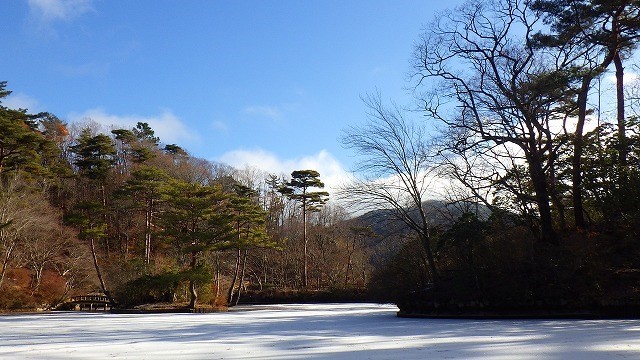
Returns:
(494, 91)
(395, 171)
(21, 217)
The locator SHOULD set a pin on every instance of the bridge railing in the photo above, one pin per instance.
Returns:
(87, 303)
(89, 298)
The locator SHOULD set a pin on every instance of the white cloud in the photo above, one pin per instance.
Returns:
(278, 113)
(271, 112)
(166, 125)
(332, 173)
(628, 77)
(21, 101)
(65, 10)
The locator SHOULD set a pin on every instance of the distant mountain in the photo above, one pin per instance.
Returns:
(385, 224)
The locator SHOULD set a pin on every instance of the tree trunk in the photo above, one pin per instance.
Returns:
(99, 272)
(576, 171)
(217, 280)
(349, 264)
(538, 179)
(192, 285)
(304, 239)
(426, 244)
(234, 280)
(37, 278)
(244, 266)
(147, 234)
(264, 270)
(555, 199)
(193, 294)
(103, 198)
(622, 136)
(5, 262)
(622, 127)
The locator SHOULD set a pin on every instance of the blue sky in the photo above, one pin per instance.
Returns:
(269, 83)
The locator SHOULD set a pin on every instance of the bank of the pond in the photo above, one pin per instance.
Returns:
(420, 308)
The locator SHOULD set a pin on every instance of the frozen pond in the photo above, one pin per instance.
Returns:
(327, 331)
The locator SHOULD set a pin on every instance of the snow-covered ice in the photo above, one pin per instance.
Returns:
(327, 331)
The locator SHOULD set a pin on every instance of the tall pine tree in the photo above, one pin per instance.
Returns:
(298, 189)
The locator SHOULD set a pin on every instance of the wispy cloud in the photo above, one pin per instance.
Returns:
(62, 10)
(89, 69)
(271, 112)
(332, 173)
(166, 125)
(21, 101)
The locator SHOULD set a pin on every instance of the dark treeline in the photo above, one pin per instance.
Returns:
(88, 210)
(516, 88)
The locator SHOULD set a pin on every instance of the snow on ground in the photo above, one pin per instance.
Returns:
(327, 331)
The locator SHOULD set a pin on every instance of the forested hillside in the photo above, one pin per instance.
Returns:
(116, 211)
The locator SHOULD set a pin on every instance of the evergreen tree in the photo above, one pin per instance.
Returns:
(174, 150)
(591, 35)
(197, 220)
(298, 190)
(137, 145)
(249, 221)
(22, 146)
(95, 155)
(144, 133)
(144, 190)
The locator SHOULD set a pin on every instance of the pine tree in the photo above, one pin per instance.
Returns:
(95, 155)
(21, 144)
(298, 190)
(249, 222)
(144, 189)
(591, 34)
(197, 220)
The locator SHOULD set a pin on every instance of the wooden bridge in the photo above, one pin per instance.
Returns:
(87, 303)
